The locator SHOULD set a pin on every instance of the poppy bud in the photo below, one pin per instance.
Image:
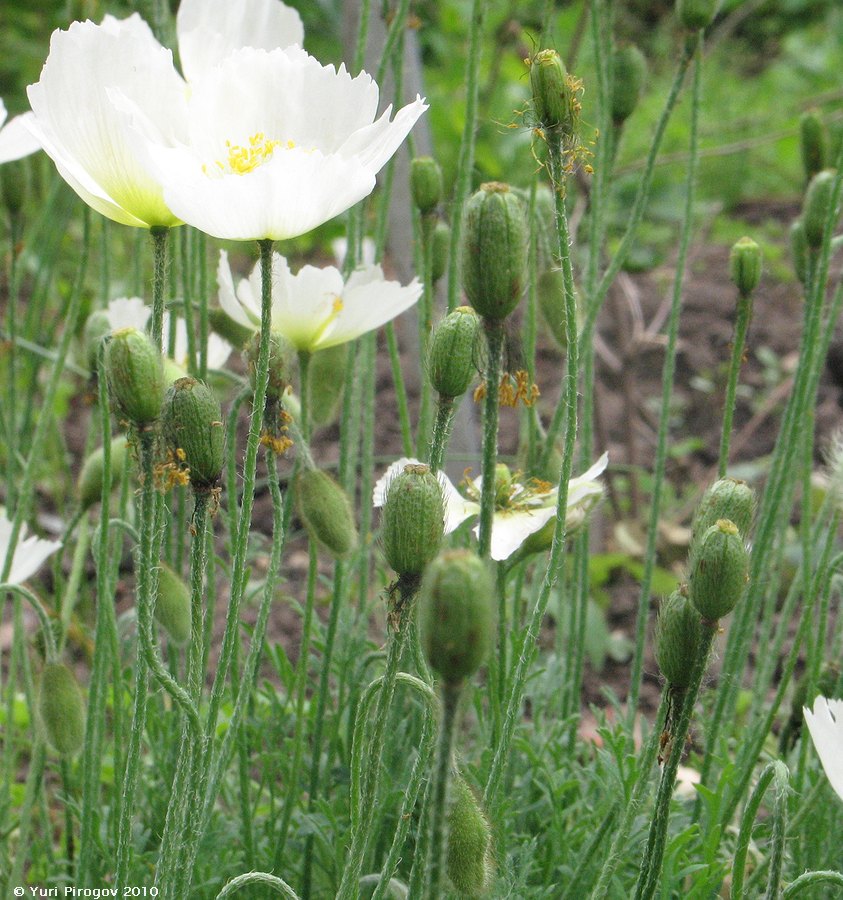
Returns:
(745, 265)
(813, 142)
(192, 423)
(630, 71)
(494, 251)
(326, 380)
(469, 858)
(413, 519)
(426, 183)
(551, 296)
(552, 98)
(441, 249)
(172, 607)
(326, 511)
(727, 498)
(456, 614)
(62, 709)
(696, 14)
(816, 207)
(678, 638)
(718, 570)
(135, 375)
(90, 478)
(450, 363)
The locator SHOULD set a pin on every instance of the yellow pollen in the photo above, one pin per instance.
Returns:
(336, 307)
(243, 159)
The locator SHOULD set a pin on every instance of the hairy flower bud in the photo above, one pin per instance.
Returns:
(816, 207)
(727, 498)
(135, 375)
(494, 251)
(678, 638)
(469, 856)
(719, 570)
(89, 484)
(281, 357)
(456, 614)
(441, 249)
(426, 183)
(192, 424)
(62, 709)
(630, 72)
(450, 363)
(413, 519)
(745, 265)
(326, 380)
(696, 14)
(172, 607)
(326, 511)
(551, 296)
(813, 143)
(552, 98)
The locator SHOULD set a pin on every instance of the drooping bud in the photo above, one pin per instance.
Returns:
(678, 638)
(426, 183)
(192, 424)
(14, 181)
(456, 614)
(469, 856)
(281, 357)
(696, 14)
(172, 608)
(135, 375)
(441, 249)
(236, 334)
(450, 363)
(813, 142)
(630, 72)
(551, 296)
(90, 478)
(719, 570)
(326, 511)
(413, 519)
(745, 265)
(799, 250)
(494, 251)
(97, 326)
(62, 709)
(552, 96)
(326, 380)
(816, 207)
(727, 498)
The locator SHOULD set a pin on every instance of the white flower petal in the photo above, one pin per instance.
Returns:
(218, 351)
(29, 554)
(826, 726)
(128, 312)
(240, 308)
(511, 527)
(375, 144)
(16, 139)
(381, 485)
(208, 30)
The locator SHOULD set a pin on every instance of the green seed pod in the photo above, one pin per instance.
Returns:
(14, 182)
(236, 334)
(326, 380)
(552, 98)
(192, 423)
(799, 250)
(719, 570)
(678, 638)
(441, 249)
(97, 326)
(745, 265)
(281, 356)
(426, 183)
(494, 251)
(413, 519)
(816, 207)
(135, 375)
(62, 709)
(469, 855)
(326, 511)
(813, 142)
(630, 72)
(172, 608)
(696, 14)
(551, 296)
(90, 478)
(727, 498)
(456, 614)
(450, 363)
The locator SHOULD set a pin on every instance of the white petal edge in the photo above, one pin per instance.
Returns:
(511, 528)
(16, 139)
(826, 726)
(29, 554)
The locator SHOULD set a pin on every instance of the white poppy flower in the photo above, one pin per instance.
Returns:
(314, 309)
(29, 554)
(16, 140)
(132, 312)
(278, 144)
(107, 90)
(520, 510)
(826, 726)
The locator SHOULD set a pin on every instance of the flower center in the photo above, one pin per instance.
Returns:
(336, 309)
(257, 150)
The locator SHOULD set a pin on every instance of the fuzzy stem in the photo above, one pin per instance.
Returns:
(276, 884)
(159, 235)
(400, 390)
(745, 833)
(425, 316)
(494, 341)
(744, 315)
(441, 432)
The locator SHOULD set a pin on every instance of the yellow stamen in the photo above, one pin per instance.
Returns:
(243, 159)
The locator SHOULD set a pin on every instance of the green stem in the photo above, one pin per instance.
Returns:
(744, 315)
(494, 342)
(11, 396)
(400, 390)
(159, 235)
(809, 879)
(425, 321)
(304, 393)
(668, 372)
(441, 432)
(276, 884)
(465, 162)
(779, 829)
